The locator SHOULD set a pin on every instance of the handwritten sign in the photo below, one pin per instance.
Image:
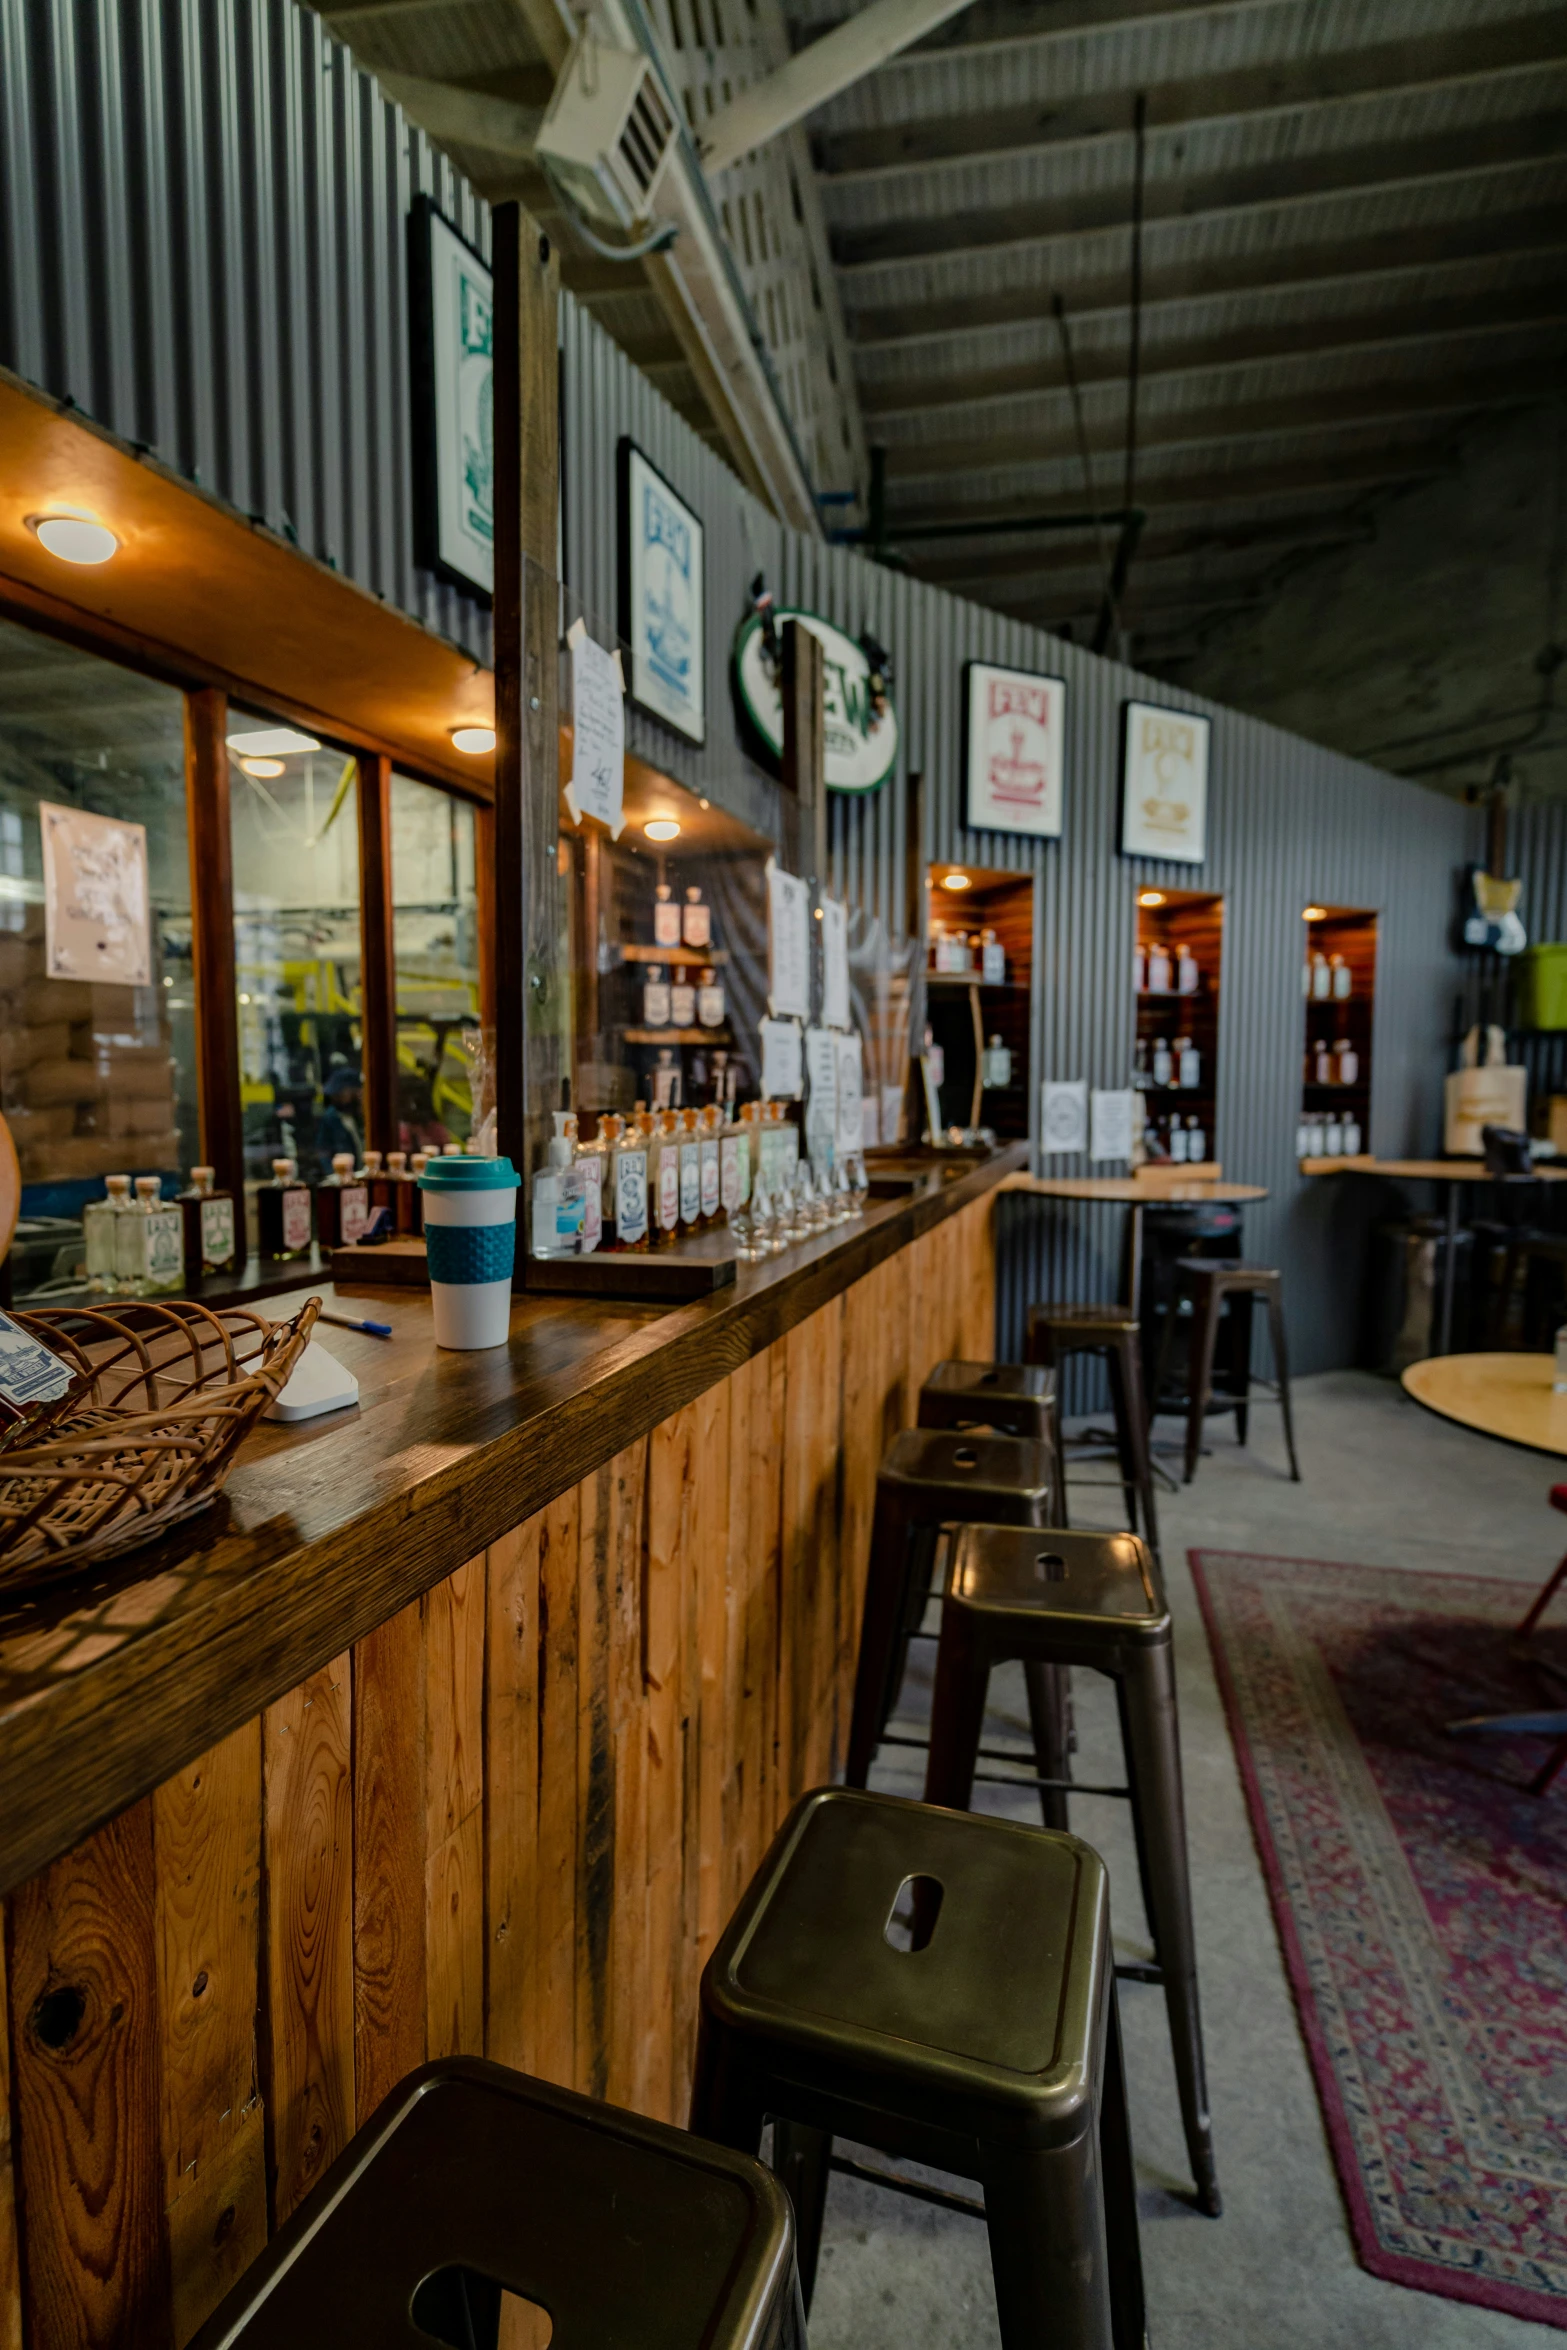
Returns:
(783, 1076)
(598, 733)
(97, 921)
(835, 964)
(1110, 1125)
(788, 944)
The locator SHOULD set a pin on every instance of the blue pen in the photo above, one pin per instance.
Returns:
(347, 1322)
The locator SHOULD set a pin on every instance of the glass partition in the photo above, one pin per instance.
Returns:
(295, 836)
(435, 945)
(97, 1075)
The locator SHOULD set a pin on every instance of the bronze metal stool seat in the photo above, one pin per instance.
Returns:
(1086, 1599)
(930, 1478)
(470, 2182)
(1209, 1283)
(1015, 1399)
(1056, 1332)
(938, 1988)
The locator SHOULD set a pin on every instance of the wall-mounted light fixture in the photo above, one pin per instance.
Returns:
(474, 740)
(1150, 897)
(955, 881)
(1315, 914)
(264, 769)
(272, 742)
(662, 828)
(73, 535)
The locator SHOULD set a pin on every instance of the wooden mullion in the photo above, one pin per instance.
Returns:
(378, 956)
(212, 944)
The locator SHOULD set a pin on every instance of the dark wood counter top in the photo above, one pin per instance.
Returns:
(326, 1530)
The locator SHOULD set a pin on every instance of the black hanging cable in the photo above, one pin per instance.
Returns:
(1090, 487)
(1130, 529)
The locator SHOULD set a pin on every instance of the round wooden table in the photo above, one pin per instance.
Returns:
(1137, 1193)
(1510, 1397)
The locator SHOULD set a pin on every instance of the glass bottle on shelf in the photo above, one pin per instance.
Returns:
(1343, 978)
(151, 1258)
(997, 1068)
(1352, 1138)
(100, 1233)
(1162, 1065)
(1346, 1061)
(1177, 1142)
(733, 1167)
(208, 1217)
(631, 1152)
(655, 998)
(1158, 968)
(342, 1204)
(690, 1172)
(611, 1127)
(1305, 977)
(1333, 1136)
(416, 1167)
(712, 1125)
(560, 1197)
(710, 1000)
(283, 1213)
(1189, 1064)
(664, 1180)
(589, 1172)
(377, 1182)
(1187, 976)
(1196, 1143)
(666, 917)
(696, 920)
(1321, 977)
(403, 1208)
(667, 1086)
(992, 959)
(1324, 1059)
(1139, 970)
(682, 1000)
(1141, 1078)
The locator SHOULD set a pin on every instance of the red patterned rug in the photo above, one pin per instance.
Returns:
(1421, 1899)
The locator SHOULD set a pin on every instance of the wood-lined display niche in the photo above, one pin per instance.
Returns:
(964, 1010)
(1345, 938)
(1168, 921)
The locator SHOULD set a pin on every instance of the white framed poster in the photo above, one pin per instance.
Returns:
(1164, 783)
(1013, 729)
(97, 913)
(451, 306)
(662, 602)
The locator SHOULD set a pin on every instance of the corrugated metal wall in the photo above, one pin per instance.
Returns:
(1288, 823)
(202, 207)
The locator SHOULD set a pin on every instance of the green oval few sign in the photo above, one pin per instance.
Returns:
(861, 747)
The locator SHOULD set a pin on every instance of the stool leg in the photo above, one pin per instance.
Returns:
(1145, 1689)
(1123, 2238)
(1049, 1697)
(1058, 1445)
(801, 2159)
(1240, 1359)
(1281, 1372)
(957, 1712)
(1199, 1375)
(880, 1632)
(1131, 1413)
(1542, 1603)
(1045, 2216)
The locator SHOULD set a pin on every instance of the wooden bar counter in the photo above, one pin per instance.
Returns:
(457, 1726)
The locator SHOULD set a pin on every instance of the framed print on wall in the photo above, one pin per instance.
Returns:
(452, 346)
(1012, 749)
(1164, 783)
(662, 601)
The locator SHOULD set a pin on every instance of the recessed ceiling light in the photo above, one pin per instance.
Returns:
(956, 881)
(73, 535)
(704, 803)
(1315, 914)
(473, 739)
(272, 742)
(1150, 897)
(662, 828)
(263, 766)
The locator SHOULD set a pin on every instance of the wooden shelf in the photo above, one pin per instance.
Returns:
(687, 955)
(973, 979)
(676, 1036)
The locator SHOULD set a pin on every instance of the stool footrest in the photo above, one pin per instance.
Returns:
(942, 2197)
(1066, 1786)
(1136, 1971)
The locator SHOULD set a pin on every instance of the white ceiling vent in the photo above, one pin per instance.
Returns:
(608, 132)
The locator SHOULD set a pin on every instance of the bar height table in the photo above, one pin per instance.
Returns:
(1135, 1193)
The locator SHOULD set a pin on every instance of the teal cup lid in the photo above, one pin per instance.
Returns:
(470, 1174)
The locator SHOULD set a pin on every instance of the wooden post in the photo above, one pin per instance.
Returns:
(484, 899)
(532, 986)
(804, 743)
(377, 952)
(916, 912)
(212, 946)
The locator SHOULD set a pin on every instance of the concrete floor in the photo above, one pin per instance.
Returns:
(1386, 1484)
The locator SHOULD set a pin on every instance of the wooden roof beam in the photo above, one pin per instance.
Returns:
(1079, 552)
(807, 80)
(1477, 55)
(1280, 182)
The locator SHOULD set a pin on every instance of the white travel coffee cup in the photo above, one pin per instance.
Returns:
(470, 1233)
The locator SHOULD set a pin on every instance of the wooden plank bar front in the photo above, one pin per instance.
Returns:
(508, 1817)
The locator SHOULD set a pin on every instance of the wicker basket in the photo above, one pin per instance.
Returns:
(147, 1432)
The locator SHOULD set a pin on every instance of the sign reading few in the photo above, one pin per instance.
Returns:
(861, 743)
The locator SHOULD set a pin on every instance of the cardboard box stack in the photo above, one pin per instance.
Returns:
(85, 1088)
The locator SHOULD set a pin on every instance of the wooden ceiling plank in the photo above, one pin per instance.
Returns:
(1497, 236)
(1298, 179)
(1476, 55)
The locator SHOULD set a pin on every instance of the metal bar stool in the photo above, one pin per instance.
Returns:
(1054, 1332)
(938, 1988)
(930, 1478)
(1208, 1284)
(1097, 1600)
(470, 2182)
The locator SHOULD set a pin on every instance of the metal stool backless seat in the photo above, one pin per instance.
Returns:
(1054, 1333)
(940, 1989)
(930, 1478)
(1210, 1284)
(469, 2181)
(1097, 1600)
(1015, 1399)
